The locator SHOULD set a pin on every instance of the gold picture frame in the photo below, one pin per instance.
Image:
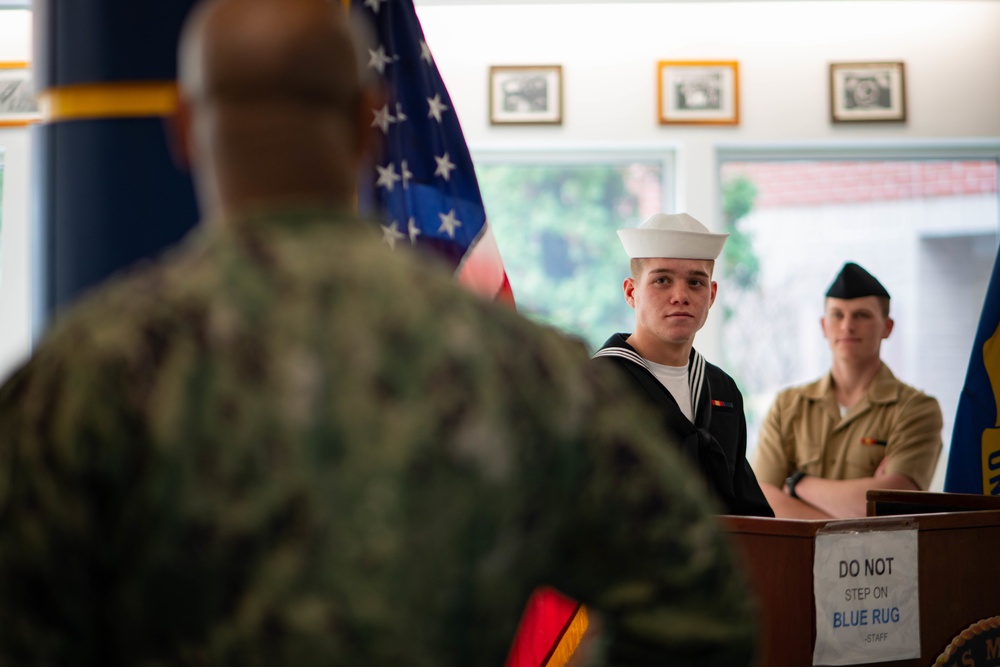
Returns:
(18, 105)
(526, 95)
(698, 92)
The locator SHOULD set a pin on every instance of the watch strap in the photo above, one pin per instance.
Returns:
(792, 480)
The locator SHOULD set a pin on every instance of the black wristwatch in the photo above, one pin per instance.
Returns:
(792, 480)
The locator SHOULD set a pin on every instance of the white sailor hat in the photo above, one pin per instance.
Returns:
(676, 236)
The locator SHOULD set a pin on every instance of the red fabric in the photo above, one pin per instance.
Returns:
(546, 616)
(482, 270)
(506, 294)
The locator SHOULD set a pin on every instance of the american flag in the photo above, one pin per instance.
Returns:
(423, 185)
(425, 190)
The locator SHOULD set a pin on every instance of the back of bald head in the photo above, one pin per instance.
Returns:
(255, 51)
(275, 100)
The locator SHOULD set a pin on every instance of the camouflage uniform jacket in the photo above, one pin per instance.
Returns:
(283, 444)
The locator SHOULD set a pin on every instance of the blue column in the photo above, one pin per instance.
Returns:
(107, 190)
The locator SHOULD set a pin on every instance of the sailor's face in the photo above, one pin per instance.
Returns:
(671, 298)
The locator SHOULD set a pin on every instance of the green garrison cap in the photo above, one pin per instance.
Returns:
(853, 282)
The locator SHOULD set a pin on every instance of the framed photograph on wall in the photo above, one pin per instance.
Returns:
(17, 95)
(864, 92)
(526, 94)
(698, 92)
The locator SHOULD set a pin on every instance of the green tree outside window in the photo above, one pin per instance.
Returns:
(555, 226)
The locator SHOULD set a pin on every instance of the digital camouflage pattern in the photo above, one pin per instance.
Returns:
(283, 445)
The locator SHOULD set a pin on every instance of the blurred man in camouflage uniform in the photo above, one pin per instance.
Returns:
(283, 445)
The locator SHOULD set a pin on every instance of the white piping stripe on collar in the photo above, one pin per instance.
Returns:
(623, 353)
(696, 370)
(696, 379)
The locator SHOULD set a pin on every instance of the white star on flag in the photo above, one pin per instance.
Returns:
(449, 223)
(378, 60)
(383, 118)
(414, 231)
(436, 107)
(391, 234)
(425, 52)
(444, 166)
(407, 174)
(374, 4)
(387, 176)
(400, 116)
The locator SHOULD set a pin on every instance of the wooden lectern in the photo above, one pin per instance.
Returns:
(959, 571)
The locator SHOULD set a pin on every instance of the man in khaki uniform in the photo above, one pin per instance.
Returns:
(825, 444)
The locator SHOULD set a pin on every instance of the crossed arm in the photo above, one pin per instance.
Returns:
(820, 498)
(915, 442)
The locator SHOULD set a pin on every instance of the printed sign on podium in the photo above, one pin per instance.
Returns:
(867, 597)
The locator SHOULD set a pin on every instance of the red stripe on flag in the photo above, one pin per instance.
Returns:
(506, 294)
(546, 618)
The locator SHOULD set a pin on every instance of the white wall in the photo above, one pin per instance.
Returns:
(15, 247)
(609, 53)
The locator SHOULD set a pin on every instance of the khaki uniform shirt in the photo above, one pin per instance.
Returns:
(804, 431)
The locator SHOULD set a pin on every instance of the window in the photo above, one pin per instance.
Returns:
(926, 228)
(555, 224)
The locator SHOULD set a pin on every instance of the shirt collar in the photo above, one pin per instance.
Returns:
(883, 389)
